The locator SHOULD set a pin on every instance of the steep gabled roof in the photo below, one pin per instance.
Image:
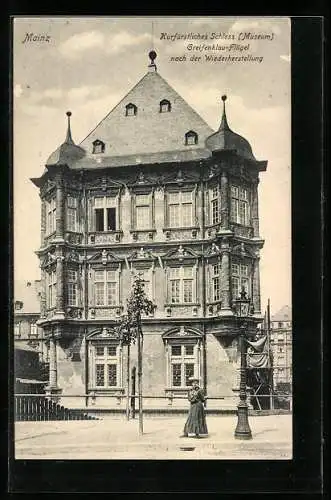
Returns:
(148, 131)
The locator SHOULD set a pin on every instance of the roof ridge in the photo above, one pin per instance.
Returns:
(184, 100)
(116, 105)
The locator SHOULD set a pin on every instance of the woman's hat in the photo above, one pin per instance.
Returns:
(194, 379)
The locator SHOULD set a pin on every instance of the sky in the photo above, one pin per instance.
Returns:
(89, 64)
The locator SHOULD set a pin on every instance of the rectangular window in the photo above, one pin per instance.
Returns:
(72, 204)
(180, 209)
(183, 364)
(112, 350)
(214, 205)
(216, 282)
(106, 365)
(17, 330)
(99, 219)
(111, 219)
(143, 211)
(176, 375)
(51, 216)
(189, 350)
(112, 375)
(181, 285)
(176, 350)
(188, 291)
(72, 288)
(33, 330)
(100, 375)
(51, 289)
(105, 213)
(99, 351)
(240, 206)
(189, 372)
(106, 288)
(240, 279)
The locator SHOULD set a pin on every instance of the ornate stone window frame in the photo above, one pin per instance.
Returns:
(104, 337)
(104, 261)
(179, 258)
(145, 261)
(183, 336)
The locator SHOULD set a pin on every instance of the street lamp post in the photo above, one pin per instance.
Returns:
(242, 308)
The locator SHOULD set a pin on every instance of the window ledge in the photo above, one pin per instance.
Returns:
(181, 304)
(105, 390)
(177, 389)
(142, 231)
(106, 307)
(110, 231)
(181, 228)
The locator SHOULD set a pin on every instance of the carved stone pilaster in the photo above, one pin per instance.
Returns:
(59, 282)
(255, 211)
(52, 388)
(224, 201)
(256, 285)
(43, 303)
(60, 212)
(225, 279)
(43, 222)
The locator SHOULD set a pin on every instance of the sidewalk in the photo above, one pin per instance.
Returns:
(116, 438)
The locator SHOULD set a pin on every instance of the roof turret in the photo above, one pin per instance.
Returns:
(68, 152)
(226, 139)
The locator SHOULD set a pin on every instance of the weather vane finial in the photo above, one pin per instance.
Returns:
(152, 55)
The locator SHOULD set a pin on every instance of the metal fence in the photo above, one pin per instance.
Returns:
(39, 407)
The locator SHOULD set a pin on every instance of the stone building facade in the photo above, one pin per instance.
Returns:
(30, 346)
(281, 345)
(151, 190)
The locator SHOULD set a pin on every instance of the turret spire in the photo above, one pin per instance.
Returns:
(224, 123)
(69, 137)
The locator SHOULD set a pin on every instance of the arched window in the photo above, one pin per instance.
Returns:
(131, 109)
(165, 106)
(98, 146)
(191, 138)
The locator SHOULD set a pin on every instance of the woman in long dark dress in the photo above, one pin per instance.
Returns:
(196, 421)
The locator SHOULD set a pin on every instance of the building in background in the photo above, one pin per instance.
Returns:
(152, 190)
(30, 347)
(281, 346)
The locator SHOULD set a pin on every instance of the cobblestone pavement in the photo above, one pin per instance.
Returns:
(117, 438)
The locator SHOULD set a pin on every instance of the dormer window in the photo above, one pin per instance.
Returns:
(191, 138)
(165, 106)
(131, 109)
(98, 147)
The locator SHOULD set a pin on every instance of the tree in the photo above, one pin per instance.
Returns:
(130, 331)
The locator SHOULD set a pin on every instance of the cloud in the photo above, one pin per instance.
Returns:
(257, 24)
(80, 94)
(52, 93)
(285, 57)
(119, 41)
(112, 44)
(80, 42)
(18, 91)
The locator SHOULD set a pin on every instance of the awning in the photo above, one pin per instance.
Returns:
(31, 381)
